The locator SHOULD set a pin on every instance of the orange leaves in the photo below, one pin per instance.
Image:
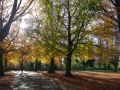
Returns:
(58, 60)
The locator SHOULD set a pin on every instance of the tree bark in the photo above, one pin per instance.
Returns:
(51, 70)
(5, 65)
(4, 30)
(117, 5)
(36, 65)
(1, 62)
(21, 66)
(68, 66)
(115, 62)
(84, 65)
(115, 66)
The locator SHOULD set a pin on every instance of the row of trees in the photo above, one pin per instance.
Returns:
(80, 29)
(10, 11)
(70, 29)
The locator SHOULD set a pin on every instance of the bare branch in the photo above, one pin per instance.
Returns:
(23, 11)
(13, 37)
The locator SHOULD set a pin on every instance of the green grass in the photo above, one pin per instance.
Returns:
(104, 71)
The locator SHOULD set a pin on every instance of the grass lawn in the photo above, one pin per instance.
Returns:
(105, 71)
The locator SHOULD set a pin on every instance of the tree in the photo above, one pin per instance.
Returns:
(110, 17)
(51, 69)
(66, 25)
(37, 52)
(111, 9)
(5, 27)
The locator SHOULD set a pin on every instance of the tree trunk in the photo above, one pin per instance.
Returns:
(39, 65)
(36, 65)
(117, 5)
(68, 66)
(5, 65)
(115, 62)
(1, 62)
(51, 70)
(115, 66)
(21, 66)
(84, 65)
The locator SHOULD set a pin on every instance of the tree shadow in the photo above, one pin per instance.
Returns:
(34, 81)
(89, 81)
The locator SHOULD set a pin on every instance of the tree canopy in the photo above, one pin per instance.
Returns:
(63, 30)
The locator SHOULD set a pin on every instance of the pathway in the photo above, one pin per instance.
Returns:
(37, 81)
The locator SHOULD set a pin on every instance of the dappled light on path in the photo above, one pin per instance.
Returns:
(35, 81)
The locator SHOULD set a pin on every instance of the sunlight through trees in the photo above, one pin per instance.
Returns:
(59, 34)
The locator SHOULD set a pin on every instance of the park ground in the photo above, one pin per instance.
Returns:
(82, 80)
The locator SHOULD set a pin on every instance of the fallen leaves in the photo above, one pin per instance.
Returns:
(85, 80)
(89, 80)
(6, 81)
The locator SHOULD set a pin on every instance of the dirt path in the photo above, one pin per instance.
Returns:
(37, 81)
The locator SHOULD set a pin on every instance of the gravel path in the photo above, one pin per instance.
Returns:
(37, 81)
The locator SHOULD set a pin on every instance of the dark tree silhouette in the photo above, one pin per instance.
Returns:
(4, 30)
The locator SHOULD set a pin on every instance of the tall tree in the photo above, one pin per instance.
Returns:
(111, 15)
(111, 9)
(66, 25)
(15, 13)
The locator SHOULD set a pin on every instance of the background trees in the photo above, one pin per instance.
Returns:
(110, 17)
(9, 14)
(71, 29)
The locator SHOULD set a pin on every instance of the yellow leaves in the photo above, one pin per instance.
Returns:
(111, 43)
(29, 58)
(84, 57)
(6, 45)
(105, 54)
(98, 50)
(87, 56)
(13, 55)
(13, 63)
(2, 44)
(12, 58)
(45, 60)
(74, 56)
(85, 52)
